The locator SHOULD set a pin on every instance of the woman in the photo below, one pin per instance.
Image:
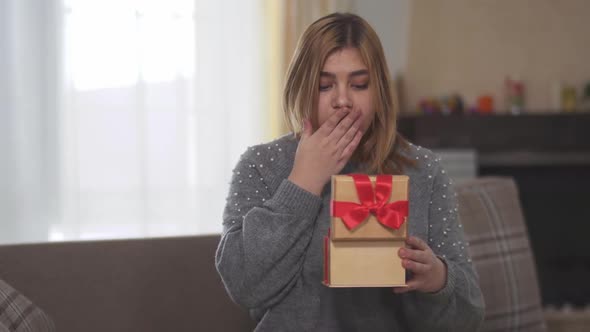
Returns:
(340, 108)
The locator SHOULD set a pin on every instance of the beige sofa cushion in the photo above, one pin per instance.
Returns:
(499, 246)
(156, 284)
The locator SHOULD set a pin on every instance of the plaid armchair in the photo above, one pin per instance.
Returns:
(499, 246)
(17, 313)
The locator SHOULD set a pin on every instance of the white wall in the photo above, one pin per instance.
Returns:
(470, 47)
(391, 20)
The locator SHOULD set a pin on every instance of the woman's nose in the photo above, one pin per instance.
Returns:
(342, 98)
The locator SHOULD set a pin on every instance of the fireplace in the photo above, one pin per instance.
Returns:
(556, 206)
(549, 157)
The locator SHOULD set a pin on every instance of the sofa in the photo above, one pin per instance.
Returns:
(170, 284)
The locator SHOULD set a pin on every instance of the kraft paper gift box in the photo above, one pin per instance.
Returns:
(368, 227)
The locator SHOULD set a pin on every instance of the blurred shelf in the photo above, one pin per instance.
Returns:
(531, 139)
(534, 158)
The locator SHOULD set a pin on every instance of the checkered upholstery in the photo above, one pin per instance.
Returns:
(18, 314)
(499, 246)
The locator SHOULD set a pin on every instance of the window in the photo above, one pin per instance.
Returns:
(160, 99)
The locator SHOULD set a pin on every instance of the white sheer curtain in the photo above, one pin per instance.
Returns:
(124, 118)
(28, 126)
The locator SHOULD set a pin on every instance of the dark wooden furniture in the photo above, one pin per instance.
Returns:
(549, 157)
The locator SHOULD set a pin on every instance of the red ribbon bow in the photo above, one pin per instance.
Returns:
(391, 215)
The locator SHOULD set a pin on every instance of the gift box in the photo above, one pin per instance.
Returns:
(368, 227)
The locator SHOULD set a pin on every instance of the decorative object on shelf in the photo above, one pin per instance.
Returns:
(485, 104)
(445, 105)
(568, 98)
(585, 103)
(556, 100)
(514, 95)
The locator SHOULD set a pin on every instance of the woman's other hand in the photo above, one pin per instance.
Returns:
(429, 271)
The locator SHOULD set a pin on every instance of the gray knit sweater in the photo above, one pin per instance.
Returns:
(270, 256)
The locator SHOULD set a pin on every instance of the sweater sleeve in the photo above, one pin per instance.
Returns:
(265, 237)
(459, 305)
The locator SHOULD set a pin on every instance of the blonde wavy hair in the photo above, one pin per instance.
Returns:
(380, 147)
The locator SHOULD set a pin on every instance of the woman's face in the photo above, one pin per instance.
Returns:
(345, 83)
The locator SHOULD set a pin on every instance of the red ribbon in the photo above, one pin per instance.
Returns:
(391, 215)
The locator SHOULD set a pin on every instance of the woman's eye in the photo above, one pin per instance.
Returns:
(326, 87)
